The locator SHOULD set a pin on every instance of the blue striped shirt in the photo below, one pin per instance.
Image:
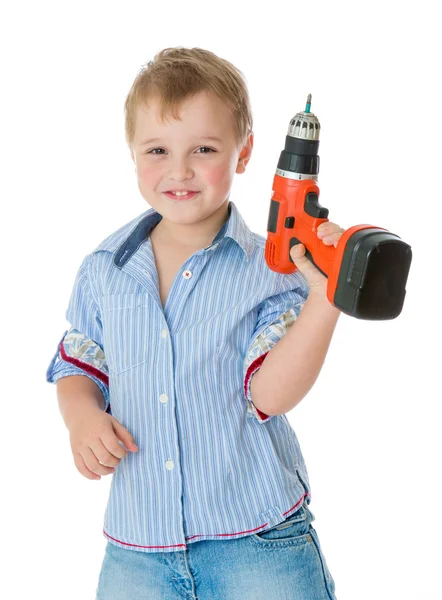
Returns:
(210, 465)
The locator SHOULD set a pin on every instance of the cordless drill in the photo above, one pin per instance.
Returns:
(368, 269)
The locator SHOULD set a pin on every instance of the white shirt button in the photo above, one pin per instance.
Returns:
(169, 465)
(187, 274)
(164, 333)
(164, 398)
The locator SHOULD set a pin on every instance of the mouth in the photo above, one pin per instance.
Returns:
(187, 196)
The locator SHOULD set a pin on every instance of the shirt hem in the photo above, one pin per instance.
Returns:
(198, 538)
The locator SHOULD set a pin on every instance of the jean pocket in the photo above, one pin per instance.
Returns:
(294, 530)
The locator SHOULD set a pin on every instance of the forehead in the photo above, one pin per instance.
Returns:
(204, 114)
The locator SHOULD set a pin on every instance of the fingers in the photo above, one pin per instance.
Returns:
(329, 233)
(109, 449)
(105, 448)
(82, 467)
(328, 228)
(93, 464)
(330, 239)
(99, 458)
(123, 435)
(104, 454)
(96, 444)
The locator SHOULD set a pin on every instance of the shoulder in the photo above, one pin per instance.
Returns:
(116, 238)
(258, 240)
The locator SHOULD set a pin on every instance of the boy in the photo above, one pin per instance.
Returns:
(171, 317)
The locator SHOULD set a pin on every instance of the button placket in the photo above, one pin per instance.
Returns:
(163, 399)
(187, 274)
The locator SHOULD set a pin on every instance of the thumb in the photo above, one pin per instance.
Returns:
(297, 254)
(123, 435)
(305, 266)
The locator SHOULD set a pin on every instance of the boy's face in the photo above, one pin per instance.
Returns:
(181, 158)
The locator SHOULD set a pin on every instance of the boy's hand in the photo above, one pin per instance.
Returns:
(329, 233)
(94, 438)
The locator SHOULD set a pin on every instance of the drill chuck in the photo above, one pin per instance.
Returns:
(305, 125)
(299, 159)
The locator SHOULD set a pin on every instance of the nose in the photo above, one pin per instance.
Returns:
(180, 169)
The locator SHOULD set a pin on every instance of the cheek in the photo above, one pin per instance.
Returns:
(217, 175)
(149, 175)
(213, 175)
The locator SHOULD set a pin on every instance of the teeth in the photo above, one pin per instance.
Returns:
(181, 193)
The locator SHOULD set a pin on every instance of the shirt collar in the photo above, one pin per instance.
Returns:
(126, 241)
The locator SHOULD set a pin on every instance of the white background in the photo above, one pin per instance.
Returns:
(370, 428)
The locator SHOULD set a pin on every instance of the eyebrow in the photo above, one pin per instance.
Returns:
(207, 137)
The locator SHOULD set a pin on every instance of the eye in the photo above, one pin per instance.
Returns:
(207, 148)
(201, 147)
(153, 151)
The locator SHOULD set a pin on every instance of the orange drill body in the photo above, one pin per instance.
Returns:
(290, 195)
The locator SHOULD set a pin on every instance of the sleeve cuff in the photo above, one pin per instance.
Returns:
(252, 410)
(265, 338)
(63, 365)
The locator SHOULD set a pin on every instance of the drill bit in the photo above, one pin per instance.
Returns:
(309, 102)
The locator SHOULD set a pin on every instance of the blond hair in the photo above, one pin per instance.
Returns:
(178, 73)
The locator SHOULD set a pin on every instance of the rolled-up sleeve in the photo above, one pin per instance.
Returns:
(275, 317)
(80, 350)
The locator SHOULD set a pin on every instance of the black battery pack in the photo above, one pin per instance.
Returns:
(373, 275)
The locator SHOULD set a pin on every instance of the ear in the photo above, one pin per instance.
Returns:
(245, 154)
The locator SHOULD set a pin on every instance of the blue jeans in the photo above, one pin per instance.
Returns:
(282, 563)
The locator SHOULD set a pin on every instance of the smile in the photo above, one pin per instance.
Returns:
(188, 196)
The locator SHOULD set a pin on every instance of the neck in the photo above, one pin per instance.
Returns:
(196, 235)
